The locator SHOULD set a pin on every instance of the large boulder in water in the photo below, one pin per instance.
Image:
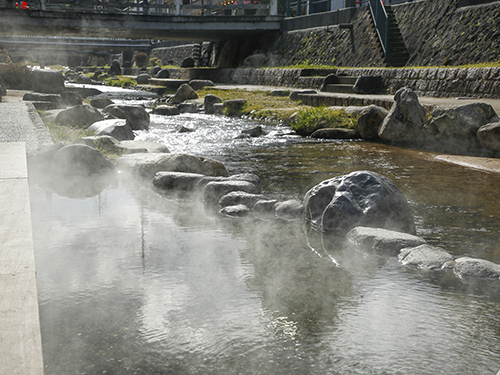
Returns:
(456, 127)
(115, 69)
(209, 102)
(47, 81)
(147, 165)
(362, 198)
(405, 122)
(137, 117)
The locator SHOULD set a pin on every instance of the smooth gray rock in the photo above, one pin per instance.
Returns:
(187, 108)
(199, 84)
(142, 79)
(83, 79)
(239, 210)
(137, 117)
(184, 92)
(129, 147)
(404, 124)
(234, 107)
(101, 103)
(295, 94)
(218, 108)
(381, 241)
(467, 267)
(80, 161)
(116, 128)
(47, 81)
(489, 136)
(215, 190)
(166, 110)
(209, 102)
(147, 165)
(370, 120)
(361, 198)
(291, 209)
(101, 142)
(240, 197)
(255, 131)
(80, 115)
(456, 127)
(115, 69)
(425, 256)
(176, 180)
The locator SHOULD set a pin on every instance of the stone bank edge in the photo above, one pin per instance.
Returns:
(475, 82)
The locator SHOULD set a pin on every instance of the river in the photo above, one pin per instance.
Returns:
(134, 282)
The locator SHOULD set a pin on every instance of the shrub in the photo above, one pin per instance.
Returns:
(153, 61)
(15, 76)
(311, 119)
(4, 56)
(141, 59)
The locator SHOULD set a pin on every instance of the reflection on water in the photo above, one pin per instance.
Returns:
(131, 282)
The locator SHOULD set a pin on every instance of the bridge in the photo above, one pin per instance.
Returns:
(197, 21)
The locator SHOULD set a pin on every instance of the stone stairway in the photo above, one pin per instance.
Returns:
(397, 54)
(344, 86)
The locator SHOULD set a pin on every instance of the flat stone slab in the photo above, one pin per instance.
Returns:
(20, 339)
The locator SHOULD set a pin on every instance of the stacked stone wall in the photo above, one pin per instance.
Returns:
(173, 55)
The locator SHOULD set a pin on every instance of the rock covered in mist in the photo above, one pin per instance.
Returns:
(456, 127)
(184, 92)
(80, 161)
(405, 121)
(147, 165)
(101, 142)
(215, 190)
(362, 198)
(240, 197)
(425, 256)
(137, 117)
(47, 81)
(467, 267)
(238, 210)
(209, 102)
(290, 209)
(116, 128)
(179, 181)
(381, 241)
(79, 115)
(369, 121)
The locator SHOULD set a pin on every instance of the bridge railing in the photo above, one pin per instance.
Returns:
(157, 7)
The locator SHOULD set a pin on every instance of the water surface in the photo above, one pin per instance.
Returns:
(133, 282)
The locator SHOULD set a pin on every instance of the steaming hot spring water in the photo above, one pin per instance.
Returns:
(134, 282)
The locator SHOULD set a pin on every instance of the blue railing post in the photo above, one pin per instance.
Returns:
(298, 8)
(381, 20)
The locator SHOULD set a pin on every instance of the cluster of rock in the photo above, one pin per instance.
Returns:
(470, 129)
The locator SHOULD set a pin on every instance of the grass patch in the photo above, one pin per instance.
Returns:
(120, 81)
(311, 119)
(65, 134)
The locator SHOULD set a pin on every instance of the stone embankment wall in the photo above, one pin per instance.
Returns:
(433, 82)
(440, 32)
(173, 55)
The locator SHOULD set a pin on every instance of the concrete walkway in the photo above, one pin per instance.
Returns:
(20, 338)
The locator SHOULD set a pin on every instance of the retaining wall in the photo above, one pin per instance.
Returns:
(432, 82)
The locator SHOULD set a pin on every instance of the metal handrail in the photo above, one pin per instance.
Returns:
(381, 20)
(298, 4)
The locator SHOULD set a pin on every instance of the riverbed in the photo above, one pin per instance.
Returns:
(131, 281)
